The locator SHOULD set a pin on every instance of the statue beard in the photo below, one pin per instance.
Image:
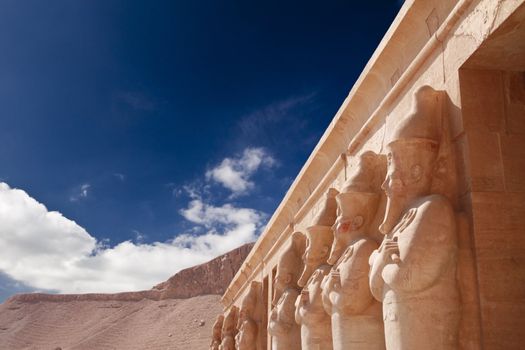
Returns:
(307, 272)
(338, 249)
(277, 295)
(397, 201)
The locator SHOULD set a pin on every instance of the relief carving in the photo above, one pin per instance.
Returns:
(249, 319)
(356, 316)
(285, 332)
(229, 329)
(413, 272)
(316, 332)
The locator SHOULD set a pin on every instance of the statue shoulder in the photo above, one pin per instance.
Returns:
(365, 246)
(435, 206)
(435, 212)
(291, 294)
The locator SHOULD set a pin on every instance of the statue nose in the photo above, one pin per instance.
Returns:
(395, 174)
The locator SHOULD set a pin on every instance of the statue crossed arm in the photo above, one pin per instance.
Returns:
(352, 282)
(425, 248)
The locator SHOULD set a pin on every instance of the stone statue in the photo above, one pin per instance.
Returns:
(217, 333)
(285, 332)
(229, 329)
(356, 316)
(414, 270)
(249, 319)
(316, 331)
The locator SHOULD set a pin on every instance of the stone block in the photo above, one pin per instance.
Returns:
(515, 102)
(498, 211)
(482, 100)
(502, 325)
(501, 265)
(513, 157)
(486, 170)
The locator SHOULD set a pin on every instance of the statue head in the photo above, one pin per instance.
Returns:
(248, 317)
(412, 152)
(249, 303)
(289, 266)
(319, 237)
(357, 203)
(230, 322)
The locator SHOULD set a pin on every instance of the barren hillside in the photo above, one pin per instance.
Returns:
(176, 314)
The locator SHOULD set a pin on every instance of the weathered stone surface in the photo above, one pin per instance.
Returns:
(316, 331)
(229, 329)
(285, 332)
(357, 321)
(413, 272)
(250, 319)
(210, 278)
(216, 335)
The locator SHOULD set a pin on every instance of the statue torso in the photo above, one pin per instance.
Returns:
(356, 315)
(285, 332)
(421, 291)
(315, 323)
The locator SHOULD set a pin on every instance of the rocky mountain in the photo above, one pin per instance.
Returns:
(175, 314)
(210, 278)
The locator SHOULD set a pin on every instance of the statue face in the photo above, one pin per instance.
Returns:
(342, 229)
(229, 320)
(409, 168)
(316, 250)
(342, 226)
(282, 279)
(346, 224)
(316, 254)
(247, 307)
(409, 175)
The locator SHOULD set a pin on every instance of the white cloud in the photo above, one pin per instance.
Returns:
(80, 193)
(235, 173)
(45, 250)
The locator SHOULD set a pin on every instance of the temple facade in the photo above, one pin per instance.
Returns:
(405, 227)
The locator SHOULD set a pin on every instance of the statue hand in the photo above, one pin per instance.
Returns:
(389, 251)
(335, 280)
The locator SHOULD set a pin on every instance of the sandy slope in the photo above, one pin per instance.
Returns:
(145, 324)
(176, 314)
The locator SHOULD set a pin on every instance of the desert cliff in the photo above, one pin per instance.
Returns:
(175, 314)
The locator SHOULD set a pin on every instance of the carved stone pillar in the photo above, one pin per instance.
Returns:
(229, 329)
(285, 332)
(316, 332)
(414, 270)
(356, 316)
(217, 333)
(250, 316)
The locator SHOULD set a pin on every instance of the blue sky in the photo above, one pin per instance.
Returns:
(144, 121)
